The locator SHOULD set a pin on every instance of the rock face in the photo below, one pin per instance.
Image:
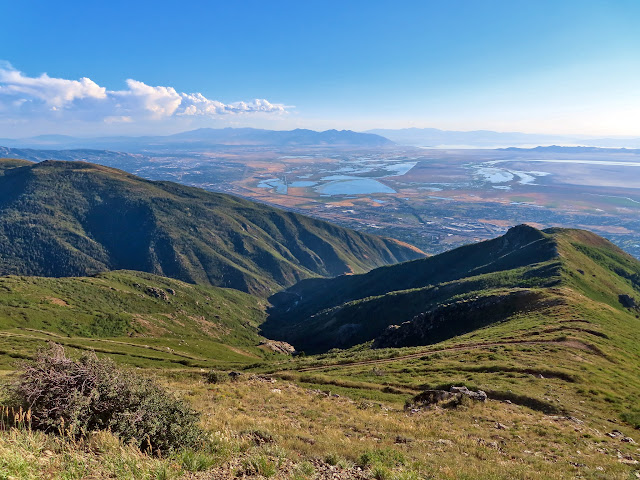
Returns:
(445, 321)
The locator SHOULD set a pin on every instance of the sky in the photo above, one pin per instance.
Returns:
(122, 67)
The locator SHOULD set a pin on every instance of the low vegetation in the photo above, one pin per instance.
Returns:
(78, 397)
(559, 369)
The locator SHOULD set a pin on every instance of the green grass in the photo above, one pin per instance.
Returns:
(138, 318)
(561, 371)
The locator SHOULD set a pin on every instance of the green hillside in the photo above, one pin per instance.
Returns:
(433, 299)
(545, 323)
(548, 321)
(75, 219)
(138, 318)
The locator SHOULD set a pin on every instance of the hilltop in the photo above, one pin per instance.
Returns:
(433, 299)
(76, 219)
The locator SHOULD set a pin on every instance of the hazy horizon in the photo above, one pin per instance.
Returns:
(543, 67)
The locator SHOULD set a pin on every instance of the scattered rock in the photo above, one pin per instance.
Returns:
(263, 378)
(171, 291)
(401, 439)
(307, 440)
(157, 293)
(500, 426)
(234, 376)
(443, 441)
(259, 437)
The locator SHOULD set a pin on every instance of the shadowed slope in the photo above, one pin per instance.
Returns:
(429, 300)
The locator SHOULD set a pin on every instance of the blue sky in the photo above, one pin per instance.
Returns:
(570, 66)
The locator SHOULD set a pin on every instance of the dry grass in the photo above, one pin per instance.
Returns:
(277, 429)
(469, 442)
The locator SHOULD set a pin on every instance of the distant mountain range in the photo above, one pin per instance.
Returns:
(204, 138)
(433, 137)
(75, 219)
(121, 160)
(561, 149)
(211, 138)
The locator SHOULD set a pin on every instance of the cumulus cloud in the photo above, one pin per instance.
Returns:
(21, 96)
(54, 92)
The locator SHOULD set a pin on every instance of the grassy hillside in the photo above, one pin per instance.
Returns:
(433, 299)
(544, 334)
(74, 219)
(138, 318)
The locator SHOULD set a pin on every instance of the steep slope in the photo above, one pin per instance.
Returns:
(430, 300)
(136, 317)
(74, 219)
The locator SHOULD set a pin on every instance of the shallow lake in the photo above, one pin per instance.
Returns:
(354, 186)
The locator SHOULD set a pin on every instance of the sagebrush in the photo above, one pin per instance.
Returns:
(74, 397)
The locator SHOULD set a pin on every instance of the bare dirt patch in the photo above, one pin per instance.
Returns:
(58, 301)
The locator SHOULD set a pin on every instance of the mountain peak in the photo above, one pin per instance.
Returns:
(524, 233)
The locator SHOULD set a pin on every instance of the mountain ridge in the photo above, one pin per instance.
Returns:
(431, 295)
(76, 219)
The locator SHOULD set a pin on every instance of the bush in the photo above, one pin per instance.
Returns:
(212, 376)
(75, 397)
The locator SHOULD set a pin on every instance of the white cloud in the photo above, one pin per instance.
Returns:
(54, 92)
(198, 104)
(158, 101)
(22, 97)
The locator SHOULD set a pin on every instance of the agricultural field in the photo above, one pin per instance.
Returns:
(433, 199)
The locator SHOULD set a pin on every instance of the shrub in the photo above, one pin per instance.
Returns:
(213, 376)
(75, 397)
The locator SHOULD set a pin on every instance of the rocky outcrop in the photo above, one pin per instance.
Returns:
(279, 347)
(457, 318)
(157, 293)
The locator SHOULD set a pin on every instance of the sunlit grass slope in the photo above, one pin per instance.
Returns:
(138, 318)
